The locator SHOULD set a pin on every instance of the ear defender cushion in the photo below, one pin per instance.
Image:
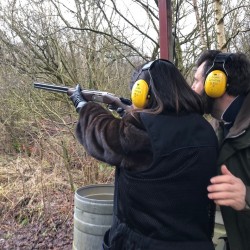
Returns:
(215, 83)
(139, 93)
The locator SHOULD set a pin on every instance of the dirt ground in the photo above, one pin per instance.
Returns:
(37, 199)
(51, 231)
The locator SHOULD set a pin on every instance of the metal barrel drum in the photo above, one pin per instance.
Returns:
(93, 210)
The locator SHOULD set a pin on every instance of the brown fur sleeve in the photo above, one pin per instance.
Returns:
(119, 142)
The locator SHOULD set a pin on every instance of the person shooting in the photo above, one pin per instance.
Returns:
(164, 153)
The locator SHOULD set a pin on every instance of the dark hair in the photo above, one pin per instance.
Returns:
(169, 89)
(237, 67)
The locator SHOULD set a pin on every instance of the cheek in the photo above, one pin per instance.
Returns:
(201, 88)
(198, 88)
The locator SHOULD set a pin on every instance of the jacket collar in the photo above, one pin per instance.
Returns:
(242, 120)
(230, 114)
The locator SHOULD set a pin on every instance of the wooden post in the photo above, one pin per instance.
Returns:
(165, 24)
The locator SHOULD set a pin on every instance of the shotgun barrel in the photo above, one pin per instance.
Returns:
(51, 87)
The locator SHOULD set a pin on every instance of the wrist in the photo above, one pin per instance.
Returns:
(79, 106)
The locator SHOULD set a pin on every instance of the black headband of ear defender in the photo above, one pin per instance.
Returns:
(219, 63)
(149, 66)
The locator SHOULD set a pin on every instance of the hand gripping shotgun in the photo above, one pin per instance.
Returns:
(110, 99)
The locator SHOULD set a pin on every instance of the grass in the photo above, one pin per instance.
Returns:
(37, 192)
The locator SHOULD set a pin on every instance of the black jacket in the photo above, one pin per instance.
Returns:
(164, 163)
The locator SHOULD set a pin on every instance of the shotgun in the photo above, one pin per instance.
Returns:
(110, 99)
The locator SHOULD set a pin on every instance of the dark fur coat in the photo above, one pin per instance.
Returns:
(121, 142)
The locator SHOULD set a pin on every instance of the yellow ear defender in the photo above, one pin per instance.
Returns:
(215, 83)
(217, 77)
(140, 93)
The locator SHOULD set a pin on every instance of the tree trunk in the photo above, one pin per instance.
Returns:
(220, 28)
(199, 25)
